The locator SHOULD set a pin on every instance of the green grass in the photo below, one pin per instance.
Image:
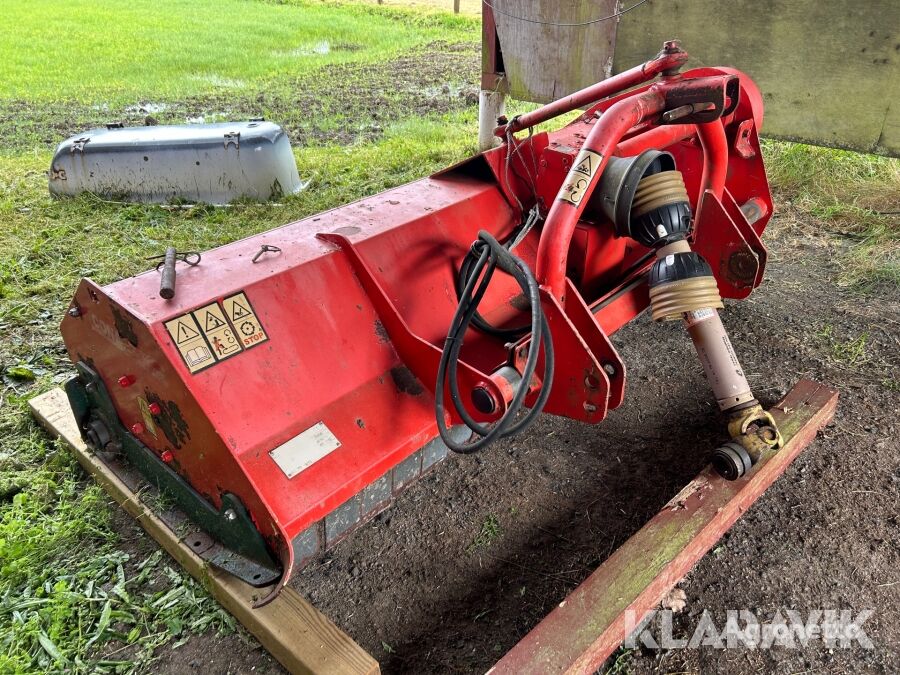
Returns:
(110, 52)
(851, 196)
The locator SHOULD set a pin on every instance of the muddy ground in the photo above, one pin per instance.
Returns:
(343, 104)
(476, 553)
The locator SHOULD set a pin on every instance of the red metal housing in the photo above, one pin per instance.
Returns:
(343, 326)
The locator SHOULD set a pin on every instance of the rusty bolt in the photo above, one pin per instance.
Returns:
(75, 311)
(137, 428)
(126, 381)
(155, 409)
(167, 456)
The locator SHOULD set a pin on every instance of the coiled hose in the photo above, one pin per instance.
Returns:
(490, 254)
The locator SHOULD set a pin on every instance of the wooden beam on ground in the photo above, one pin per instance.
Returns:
(592, 621)
(303, 639)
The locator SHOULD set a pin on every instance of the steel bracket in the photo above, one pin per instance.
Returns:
(233, 138)
(421, 356)
(79, 143)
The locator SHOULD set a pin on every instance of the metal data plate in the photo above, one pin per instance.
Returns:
(305, 449)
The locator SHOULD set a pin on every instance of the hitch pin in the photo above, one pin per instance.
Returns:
(685, 110)
(167, 265)
(265, 248)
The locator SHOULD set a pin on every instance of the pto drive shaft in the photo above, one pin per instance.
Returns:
(682, 287)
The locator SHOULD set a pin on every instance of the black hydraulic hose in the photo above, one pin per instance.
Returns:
(490, 254)
(465, 271)
(478, 321)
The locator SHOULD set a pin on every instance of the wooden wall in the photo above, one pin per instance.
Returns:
(829, 70)
(544, 62)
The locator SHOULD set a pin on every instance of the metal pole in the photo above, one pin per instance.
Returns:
(491, 104)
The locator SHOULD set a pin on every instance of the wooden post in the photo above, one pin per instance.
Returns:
(492, 99)
(491, 105)
(456, 6)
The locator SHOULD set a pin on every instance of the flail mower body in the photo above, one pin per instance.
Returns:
(283, 387)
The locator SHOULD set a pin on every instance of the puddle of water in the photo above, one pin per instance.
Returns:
(146, 108)
(219, 81)
(314, 49)
(209, 117)
(449, 90)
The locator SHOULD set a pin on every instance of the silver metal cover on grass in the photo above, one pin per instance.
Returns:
(210, 163)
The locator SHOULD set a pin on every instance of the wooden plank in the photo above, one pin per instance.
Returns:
(302, 639)
(829, 71)
(589, 625)
(545, 61)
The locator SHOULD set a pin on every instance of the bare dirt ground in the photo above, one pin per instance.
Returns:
(476, 553)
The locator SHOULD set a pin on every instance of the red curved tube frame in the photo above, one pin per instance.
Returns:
(560, 224)
(715, 157)
(671, 57)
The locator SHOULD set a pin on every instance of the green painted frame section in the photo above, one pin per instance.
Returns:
(246, 554)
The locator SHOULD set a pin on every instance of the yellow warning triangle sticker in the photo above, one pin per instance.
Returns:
(185, 333)
(238, 311)
(585, 166)
(213, 322)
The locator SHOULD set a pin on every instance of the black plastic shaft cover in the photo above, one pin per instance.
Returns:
(662, 225)
(677, 267)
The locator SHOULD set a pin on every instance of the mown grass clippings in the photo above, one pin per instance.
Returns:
(850, 351)
(490, 531)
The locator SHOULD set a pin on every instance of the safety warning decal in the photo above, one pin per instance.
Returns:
(239, 311)
(216, 332)
(699, 315)
(579, 178)
(190, 343)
